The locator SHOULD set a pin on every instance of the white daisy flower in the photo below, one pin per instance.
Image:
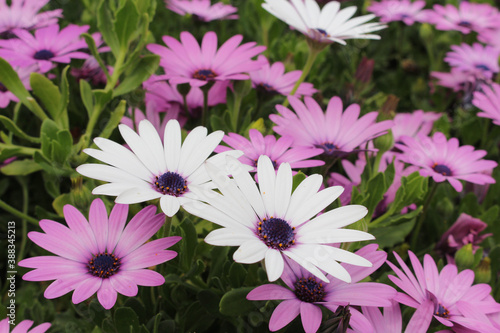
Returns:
(269, 221)
(326, 25)
(151, 169)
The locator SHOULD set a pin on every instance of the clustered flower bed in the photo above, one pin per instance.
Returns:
(250, 166)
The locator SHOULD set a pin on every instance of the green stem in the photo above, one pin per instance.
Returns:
(381, 218)
(484, 137)
(205, 106)
(22, 150)
(15, 116)
(18, 213)
(236, 112)
(376, 164)
(24, 240)
(420, 222)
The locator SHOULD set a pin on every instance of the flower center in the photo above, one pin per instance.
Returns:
(275, 164)
(309, 290)
(204, 74)
(442, 169)
(322, 32)
(171, 183)
(482, 67)
(3, 88)
(264, 87)
(43, 55)
(441, 311)
(276, 233)
(328, 147)
(104, 265)
(465, 24)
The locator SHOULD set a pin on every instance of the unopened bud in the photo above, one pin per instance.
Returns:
(384, 142)
(426, 33)
(365, 70)
(388, 109)
(483, 271)
(464, 258)
(184, 88)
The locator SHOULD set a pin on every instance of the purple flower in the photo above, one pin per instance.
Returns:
(203, 10)
(376, 322)
(466, 18)
(477, 60)
(272, 79)
(101, 255)
(23, 14)
(488, 101)
(448, 296)
(446, 160)
(337, 132)
(90, 71)
(412, 124)
(490, 37)
(23, 327)
(306, 292)
(456, 80)
(279, 151)
(49, 45)
(398, 10)
(186, 62)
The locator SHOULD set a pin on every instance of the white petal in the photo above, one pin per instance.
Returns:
(210, 213)
(267, 182)
(150, 137)
(113, 189)
(140, 149)
(336, 218)
(274, 264)
(229, 236)
(306, 264)
(170, 205)
(330, 236)
(192, 141)
(283, 190)
(137, 194)
(201, 152)
(316, 203)
(306, 188)
(172, 145)
(250, 252)
(109, 174)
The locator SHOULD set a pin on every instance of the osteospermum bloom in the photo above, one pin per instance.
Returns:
(279, 151)
(23, 14)
(412, 124)
(398, 10)
(272, 79)
(337, 132)
(305, 293)
(326, 25)
(488, 101)
(448, 296)
(49, 45)
(466, 18)
(389, 322)
(478, 60)
(152, 169)
(444, 159)
(100, 255)
(456, 80)
(23, 327)
(270, 222)
(186, 62)
(203, 10)
(490, 37)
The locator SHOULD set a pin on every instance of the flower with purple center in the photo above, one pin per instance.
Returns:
(448, 296)
(478, 60)
(203, 10)
(488, 101)
(187, 62)
(457, 80)
(271, 79)
(398, 10)
(100, 255)
(337, 132)
(444, 159)
(23, 327)
(49, 45)
(412, 124)
(306, 293)
(279, 151)
(23, 14)
(466, 18)
(270, 222)
(152, 169)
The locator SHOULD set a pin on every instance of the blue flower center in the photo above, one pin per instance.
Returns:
(264, 87)
(465, 24)
(482, 67)
(204, 74)
(171, 183)
(276, 233)
(322, 32)
(328, 147)
(3, 88)
(309, 290)
(43, 55)
(442, 169)
(441, 311)
(104, 265)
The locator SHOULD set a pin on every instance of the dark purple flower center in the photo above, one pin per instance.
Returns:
(275, 164)
(204, 74)
(322, 32)
(266, 88)
(442, 169)
(309, 290)
(171, 183)
(441, 311)
(43, 55)
(104, 265)
(465, 24)
(276, 233)
(328, 147)
(482, 67)
(3, 88)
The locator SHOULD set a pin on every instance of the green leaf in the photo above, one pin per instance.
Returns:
(87, 96)
(376, 188)
(144, 68)
(59, 203)
(107, 28)
(209, 300)
(11, 126)
(126, 320)
(63, 107)
(126, 22)
(47, 92)
(95, 53)
(11, 81)
(20, 168)
(48, 133)
(102, 97)
(189, 242)
(297, 179)
(235, 303)
(114, 120)
(237, 274)
(395, 229)
(63, 146)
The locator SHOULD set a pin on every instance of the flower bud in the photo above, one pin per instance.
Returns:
(464, 258)
(184, 88)
(483, 271)
(384, 142)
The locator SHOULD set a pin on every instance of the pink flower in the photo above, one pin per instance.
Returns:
(412, 124)
(488, 101)
(337, 132)
(306, 292)
(456, 80)
(279, 151)
(444, 159)
(90, 71)
(203, 10)
(376, 322)
(49, 45)
(23, 327)
(398, 10)
(272, 79)
(23, 14)
(447, 296)
(490, 37)
(478, 60)
(186, 62)
(466, 18)
(101, 255)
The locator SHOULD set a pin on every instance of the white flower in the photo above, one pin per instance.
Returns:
(152, 169)
(269, 221)
(326, 25)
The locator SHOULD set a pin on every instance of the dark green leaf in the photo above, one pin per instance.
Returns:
(126, 320)
(107, 28)
(126, 22)
(209, 300)
(87, 96)
(95, 53)
(237, 274)
(11, 126)
(235, 303)
(143, 69)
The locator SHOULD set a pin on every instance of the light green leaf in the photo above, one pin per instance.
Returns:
(47, 92)
(145, 67)
(11, 81)
(20, 168)
(11, 126)
(126, 22)
(87, 96)
(107, 28)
